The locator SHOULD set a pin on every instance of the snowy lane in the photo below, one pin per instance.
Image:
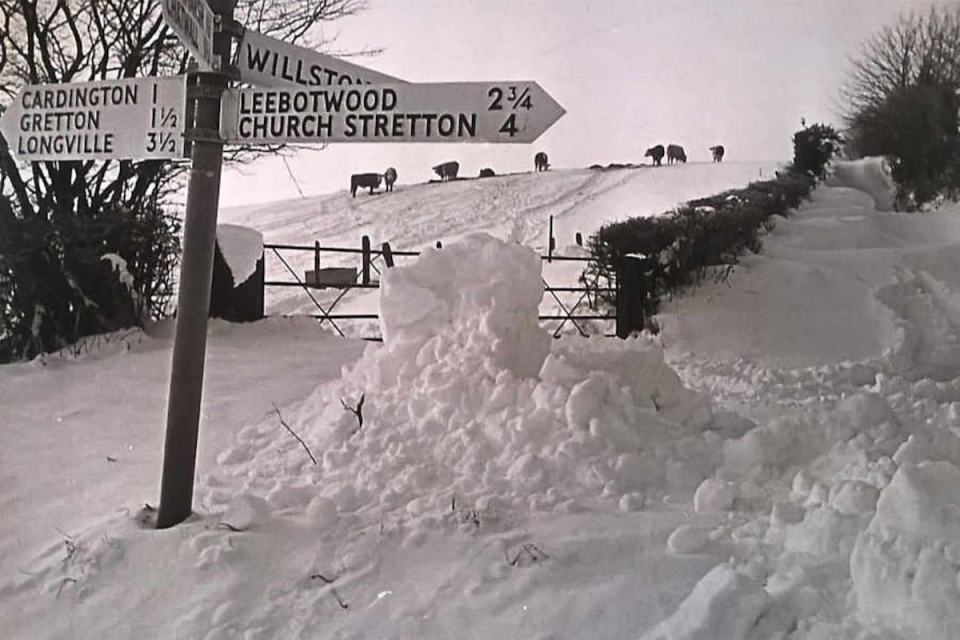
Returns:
(827, 287)
(841, 342)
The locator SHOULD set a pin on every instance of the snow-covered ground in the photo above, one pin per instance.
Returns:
(782, 462)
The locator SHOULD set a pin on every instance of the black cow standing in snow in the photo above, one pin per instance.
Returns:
(675, 153)
(389, 177)
(541, 162)
(717, 152)
(656, 153)
(364, 180)
(447, 170)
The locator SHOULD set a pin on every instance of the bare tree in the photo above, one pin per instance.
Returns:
(918, 49)
(53, 41)
(901, 102)
(78, 40)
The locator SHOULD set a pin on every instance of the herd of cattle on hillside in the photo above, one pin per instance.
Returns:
(449, 170)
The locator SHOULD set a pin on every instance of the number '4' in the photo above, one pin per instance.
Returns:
(510, 125)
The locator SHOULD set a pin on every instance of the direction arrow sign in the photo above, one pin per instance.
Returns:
(438, 112)
(194, 22)
(139, 118)
(267, 62)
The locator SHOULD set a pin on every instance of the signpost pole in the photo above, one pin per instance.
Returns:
(193, 301)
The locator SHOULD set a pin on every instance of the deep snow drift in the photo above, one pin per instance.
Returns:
(756, 472)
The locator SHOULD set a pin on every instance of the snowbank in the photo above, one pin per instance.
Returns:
(242, 248)
(906, 564)
(870, 175)
(470, 404)
(479, 289)
(724, 604)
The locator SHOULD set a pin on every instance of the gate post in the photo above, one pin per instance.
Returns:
(365, 246)
(630, 294)
(387, 255)
(236, 301)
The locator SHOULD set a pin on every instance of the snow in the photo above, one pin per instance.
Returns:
(782, 461)
(119, 267)
(724, 604)
(906, 563)
(241, 248)
(713, 495)
(870, 175)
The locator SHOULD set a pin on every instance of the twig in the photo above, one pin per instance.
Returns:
(63, 583)
(333, 590)
(357, 411)
(531, 550)
(294, 434)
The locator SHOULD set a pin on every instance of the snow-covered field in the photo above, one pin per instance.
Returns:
(517, 206)
(782, 462)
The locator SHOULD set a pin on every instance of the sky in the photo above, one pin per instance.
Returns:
(630, 74)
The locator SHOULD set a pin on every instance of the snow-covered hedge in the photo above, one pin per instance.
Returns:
(680, 248)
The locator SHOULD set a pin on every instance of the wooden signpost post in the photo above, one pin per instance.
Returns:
(300, 96)
(196, 270)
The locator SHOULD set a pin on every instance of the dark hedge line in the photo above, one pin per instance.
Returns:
(704, 236)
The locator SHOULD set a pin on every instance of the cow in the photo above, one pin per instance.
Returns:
(717, 152)
(364, 180)
(487, 172)
(447, 170)
(541, 162)
(656, 153)
(389, 177)
(675, 153)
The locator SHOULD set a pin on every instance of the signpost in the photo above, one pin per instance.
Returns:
(267, 62)
(436, 112)
(195, 23)
(309, 97)
(140, 118)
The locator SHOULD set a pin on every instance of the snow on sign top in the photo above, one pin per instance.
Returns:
(422, 112)
(267, 62)
(194, 22)
(137, 118)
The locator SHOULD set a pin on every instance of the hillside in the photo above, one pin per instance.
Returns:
(517, 205)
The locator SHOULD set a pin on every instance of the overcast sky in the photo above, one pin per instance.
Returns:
(630, 73)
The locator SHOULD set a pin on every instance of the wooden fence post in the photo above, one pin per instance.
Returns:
(365, 245)
(630, 295)
(316, 258)
(550, 244)
(387, 255)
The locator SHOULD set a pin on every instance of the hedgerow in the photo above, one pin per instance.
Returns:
(702, 237)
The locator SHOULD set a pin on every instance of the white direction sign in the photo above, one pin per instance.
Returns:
(431, 112)
(267, 62)
(140, 118)
(194, 22)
